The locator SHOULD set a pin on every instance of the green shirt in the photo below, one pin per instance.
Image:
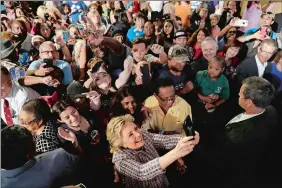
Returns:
(207, 86)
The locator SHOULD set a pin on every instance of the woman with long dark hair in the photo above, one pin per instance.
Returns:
(168, 34)
(195, 41)
(126, 102)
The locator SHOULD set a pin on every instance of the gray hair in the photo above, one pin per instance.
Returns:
(46, 43)
(269, 42)
(210, 39)
(259, 90)
(215, 15)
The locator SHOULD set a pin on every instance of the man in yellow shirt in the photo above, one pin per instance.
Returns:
(168, 110)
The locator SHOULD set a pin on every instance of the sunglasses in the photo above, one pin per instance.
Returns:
(232, 32)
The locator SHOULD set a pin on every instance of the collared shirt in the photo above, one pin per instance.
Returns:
(242, 117)
(133, 33)
(141, 168)
(172, 120)
(18, 96)
(261, 66)
(63, 65)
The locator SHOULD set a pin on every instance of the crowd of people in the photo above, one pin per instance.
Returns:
(99, 94)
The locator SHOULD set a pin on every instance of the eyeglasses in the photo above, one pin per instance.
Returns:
(266, 53)
(27, 123)
(232, 32)
(166, 100)
(47, 52)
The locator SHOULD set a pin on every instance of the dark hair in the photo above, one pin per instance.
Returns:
(39, 108)
(59, 107)
(57, 73)
(5, 71)
(259, 90)
(220, 60)
(192, 41)
(141, 15)
(162, 82)
(112, 6)
(172, 31)
(122, 93)
(120, 16)
(235, 43)
(17, 147)
(139, 40)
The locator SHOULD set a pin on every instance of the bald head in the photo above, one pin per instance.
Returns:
(209, 48)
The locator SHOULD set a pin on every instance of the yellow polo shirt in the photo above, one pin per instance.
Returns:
(172, 120)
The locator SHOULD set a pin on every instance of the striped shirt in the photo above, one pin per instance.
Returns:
(141, 168)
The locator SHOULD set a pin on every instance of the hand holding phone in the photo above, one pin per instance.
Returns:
(48, 63)
(240, 23)
(263, 33)
(188, 126)
(66, 36)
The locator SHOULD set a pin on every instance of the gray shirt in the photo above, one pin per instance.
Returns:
(51, 169)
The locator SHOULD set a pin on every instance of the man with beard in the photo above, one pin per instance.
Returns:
(178, 70)
(20, 32)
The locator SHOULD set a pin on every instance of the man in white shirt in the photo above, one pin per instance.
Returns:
(13, 96)
(257, 65)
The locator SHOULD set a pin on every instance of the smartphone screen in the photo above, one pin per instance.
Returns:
(66, 36)
(188, 126)
(263, 32)
(146, 74)
(48, 62)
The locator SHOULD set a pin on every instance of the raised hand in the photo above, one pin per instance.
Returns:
(157, 49)
(43, 71)
(67, 135)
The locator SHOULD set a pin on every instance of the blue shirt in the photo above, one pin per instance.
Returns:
(76, 6)
(133, 33)
(277, 73)
(63, 65)
(255, 29)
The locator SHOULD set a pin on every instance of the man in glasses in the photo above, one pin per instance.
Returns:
(49, 56)
(257, 65)
(168, 113)
(168, 110)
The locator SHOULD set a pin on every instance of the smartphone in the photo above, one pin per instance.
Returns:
(188, 126)
(241, 23)
(146, 78)
(66, 36)
(48, 62)
(263, 32)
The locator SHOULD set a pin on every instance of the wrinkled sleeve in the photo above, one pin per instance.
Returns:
(138, 171)
(165, 141)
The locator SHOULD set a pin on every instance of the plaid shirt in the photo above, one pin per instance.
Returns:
(141, 168)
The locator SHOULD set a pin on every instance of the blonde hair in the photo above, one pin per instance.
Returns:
(76, 50)
(94, 13)
(114, 132)
(215, 15)
(41, 10)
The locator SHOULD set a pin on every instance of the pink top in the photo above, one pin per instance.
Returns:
(253, 16)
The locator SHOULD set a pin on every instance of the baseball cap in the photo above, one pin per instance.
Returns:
(178, 53)
(75, 90)
(270, 14)
(180, 33)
